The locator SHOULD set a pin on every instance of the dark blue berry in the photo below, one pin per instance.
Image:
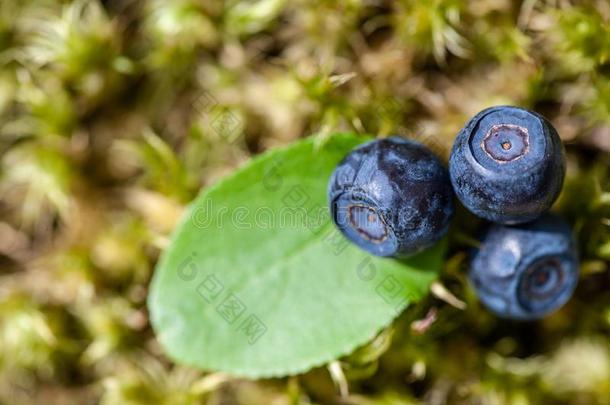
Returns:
(507, 165)
(391, 197)
(526, 271)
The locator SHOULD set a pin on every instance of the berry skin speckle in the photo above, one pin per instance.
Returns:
(526, 271)
(507, 165)
(391, 197)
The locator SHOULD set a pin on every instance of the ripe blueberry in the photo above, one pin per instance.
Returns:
(507, 165)
(526, 271)
(391, 197)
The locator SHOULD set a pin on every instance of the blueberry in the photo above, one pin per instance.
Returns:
(526, 271)
(391, 197)
(507, 165)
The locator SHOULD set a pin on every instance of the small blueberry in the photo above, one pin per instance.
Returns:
(507, 165)
(526, 271)
(391, 197)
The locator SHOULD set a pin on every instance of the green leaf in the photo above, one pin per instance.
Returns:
(258, 283)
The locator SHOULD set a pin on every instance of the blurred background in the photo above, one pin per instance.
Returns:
(114, 114)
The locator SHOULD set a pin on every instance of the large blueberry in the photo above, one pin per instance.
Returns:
(526, 271)
(391, 197)
(507, 165)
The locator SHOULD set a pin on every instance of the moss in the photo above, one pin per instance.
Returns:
(114, 114)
